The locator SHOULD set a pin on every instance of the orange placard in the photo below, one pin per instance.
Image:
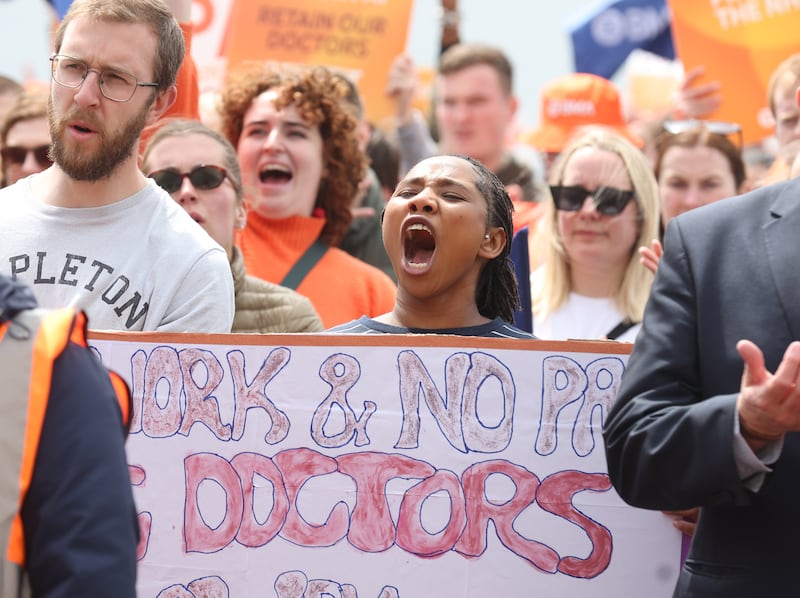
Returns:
(361, 36)
(740, 42)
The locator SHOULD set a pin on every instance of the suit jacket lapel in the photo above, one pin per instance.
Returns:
(782, 241)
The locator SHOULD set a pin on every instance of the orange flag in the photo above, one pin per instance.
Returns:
(740, 43)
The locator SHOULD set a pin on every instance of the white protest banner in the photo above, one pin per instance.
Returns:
(380, 466)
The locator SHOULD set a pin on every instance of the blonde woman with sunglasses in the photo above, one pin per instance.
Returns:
(603, 206)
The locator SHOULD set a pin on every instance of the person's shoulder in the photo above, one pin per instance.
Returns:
(502, 329)
(12, 189)
(267, 307)
(741, 212)
(16, 198)
(363, 325)
(259, 291)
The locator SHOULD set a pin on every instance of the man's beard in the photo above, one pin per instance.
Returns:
(115, 147)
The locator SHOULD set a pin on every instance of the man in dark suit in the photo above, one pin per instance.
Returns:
(709, 407)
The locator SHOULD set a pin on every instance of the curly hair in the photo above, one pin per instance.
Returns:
(497, 292)
(318, 95)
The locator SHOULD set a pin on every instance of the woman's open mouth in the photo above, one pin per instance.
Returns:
(419, 246)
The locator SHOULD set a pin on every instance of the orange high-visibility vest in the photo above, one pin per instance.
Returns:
(29, 347)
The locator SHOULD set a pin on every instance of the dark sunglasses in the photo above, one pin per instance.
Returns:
(205, 176)
(17, 155)
(608, 201)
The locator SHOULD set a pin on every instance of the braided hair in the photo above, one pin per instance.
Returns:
(497, 292)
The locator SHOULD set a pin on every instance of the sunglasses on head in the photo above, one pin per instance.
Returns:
(205, 176)
(717, 127)
(17, 155)
(608, 201)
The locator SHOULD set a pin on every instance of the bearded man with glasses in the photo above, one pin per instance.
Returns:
(92, 231)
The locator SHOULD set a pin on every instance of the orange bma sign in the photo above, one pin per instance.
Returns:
(360, 36)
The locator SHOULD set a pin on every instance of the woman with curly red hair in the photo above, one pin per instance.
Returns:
(301, 165)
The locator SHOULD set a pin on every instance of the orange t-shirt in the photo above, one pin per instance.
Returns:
(341, 287)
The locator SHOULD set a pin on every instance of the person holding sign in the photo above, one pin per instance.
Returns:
(708, 411)
(197, 166)
(301, 167)
(447, 230)
(604, 206)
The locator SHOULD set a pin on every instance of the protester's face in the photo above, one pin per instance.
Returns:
(691, 177)
(281, 158)
(91, 134)
(592, 240)
(25, 139)
(217, 210)
(474, 113)
(434, 229)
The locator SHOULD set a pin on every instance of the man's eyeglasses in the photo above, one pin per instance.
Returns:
(117, 86)
(717, 127)
(608, 201)
(17, 155)
(205, 176)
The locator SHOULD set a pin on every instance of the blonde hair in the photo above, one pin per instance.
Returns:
(554, 286)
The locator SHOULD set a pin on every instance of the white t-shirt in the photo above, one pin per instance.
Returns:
(581, 317)
(141, 263)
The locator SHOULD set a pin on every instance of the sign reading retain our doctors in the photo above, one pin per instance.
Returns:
(301, 466)
(604, 35)
(359, 36)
